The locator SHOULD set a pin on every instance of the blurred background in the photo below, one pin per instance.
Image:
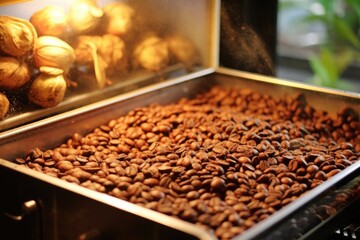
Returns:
(319, 42)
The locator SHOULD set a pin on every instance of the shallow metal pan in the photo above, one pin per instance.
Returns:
(50, 132)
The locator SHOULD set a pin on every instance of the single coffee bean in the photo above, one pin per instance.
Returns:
(64, 165)
(332, 173)
(151, 182)
(217, 184)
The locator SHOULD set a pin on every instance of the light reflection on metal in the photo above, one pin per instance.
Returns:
(8, 2)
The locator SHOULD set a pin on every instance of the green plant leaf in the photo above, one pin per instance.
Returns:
(344, 31)
(321, 75)
(343, 60)
(355, 5)
(314, 18)
(328, 62)
(329, 66)
(328, 8)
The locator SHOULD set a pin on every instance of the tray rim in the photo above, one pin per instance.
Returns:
(286, 82)
(201, 73)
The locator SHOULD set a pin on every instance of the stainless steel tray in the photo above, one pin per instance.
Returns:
(51, 132)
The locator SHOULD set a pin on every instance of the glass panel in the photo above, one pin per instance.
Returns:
(58, 55)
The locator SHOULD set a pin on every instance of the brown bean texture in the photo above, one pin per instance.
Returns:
(226, 159)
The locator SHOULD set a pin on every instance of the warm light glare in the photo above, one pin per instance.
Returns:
(8, 2)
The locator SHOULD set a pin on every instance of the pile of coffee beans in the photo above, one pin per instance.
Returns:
(224, 160)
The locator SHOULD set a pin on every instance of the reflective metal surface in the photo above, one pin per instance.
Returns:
(317, 206)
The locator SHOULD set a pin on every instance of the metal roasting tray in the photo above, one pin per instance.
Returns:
(67, 211)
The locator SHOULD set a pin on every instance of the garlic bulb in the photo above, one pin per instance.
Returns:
(4, 105)
(50, 20)
(119, 17)
(51, 71)
(109, 47)
(152, 54)
(53, 52)
(85, 16)
(13, 73)
(17, 36)
(48, 89)
(183, 50)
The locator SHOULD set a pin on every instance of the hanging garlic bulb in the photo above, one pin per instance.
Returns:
(119, 18)
(85, 16)
(13, 73)
(4, 105)
(183, 50)
(53, 52)
(50, 20)
(48, 89)
(152, 54)
(110, 48)
(17, 36)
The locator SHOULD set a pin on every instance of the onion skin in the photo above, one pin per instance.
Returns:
(17, 36)
(53, 52)
(13, 73)
(50, 21)
(47, 90)
(119, 18)
(152, 54)
(4, 105)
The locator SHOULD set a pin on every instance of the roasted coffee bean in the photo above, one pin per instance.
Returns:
(189, 215)
(134, 189)
(184, 162)
(248, 166)
(165, 181)
(312, 169)
(156, 194)
(287, 174)
(152, 172)
(250, 174)
(175, 187)
(320, 175)
(286, 180)
(293, 165)
(39, 161)
(328, 168)
(217, 184)
(64, 165)
(35, 166)
(260, 195)
(56, 156)
(71, 179)
(226, 159)
(196, 183)
(217, 219)
(151, 182)
(140, 177)
(332, 173)
(186, 188)
(244, 160)
(192, 195)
